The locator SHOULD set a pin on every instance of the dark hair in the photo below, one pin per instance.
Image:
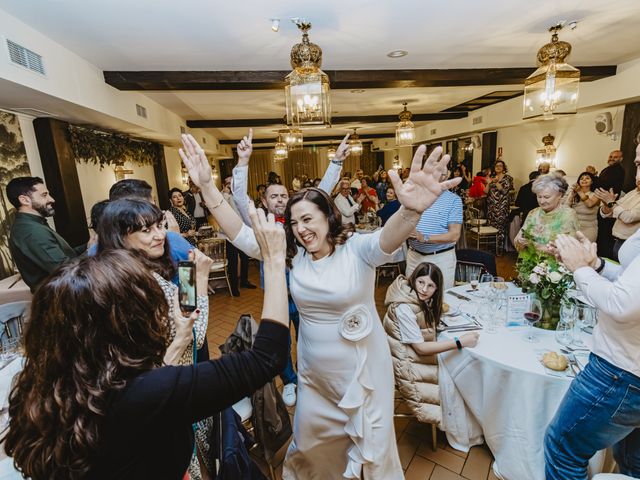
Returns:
(130, 188)
(262, 185)
(122, 217)
(95, 324)
(504, 166)
(338, 233)
(21, 186)
(96, 213)
(273, 177)
(481, 173)
(433, 311)
(174, 190)
(533, 175)
(591, 176)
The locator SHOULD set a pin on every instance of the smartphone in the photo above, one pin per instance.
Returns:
(187, 286)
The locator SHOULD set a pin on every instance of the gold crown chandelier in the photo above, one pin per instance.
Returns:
(553, 88)
(405, 132)
(280, 151)
(307, 93)
(293, 138)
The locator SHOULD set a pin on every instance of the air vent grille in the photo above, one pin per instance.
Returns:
(183, 130)
(141, 111)
(433, 131)
(476, 120)
(24, 57)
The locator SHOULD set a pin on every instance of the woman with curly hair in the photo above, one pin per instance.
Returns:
(94, 400)
(343, 425)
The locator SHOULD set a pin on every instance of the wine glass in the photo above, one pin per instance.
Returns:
(532, 317)
(474, 279)
(564, 335)
(584, 317)
(486, 280)
(491, 321)
(484, 313)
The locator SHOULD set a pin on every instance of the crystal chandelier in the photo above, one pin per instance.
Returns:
(281, 151)
(331, 152)
(307, 95)
(553, 88)
(293, 138)
(405, 133)
(355, 144)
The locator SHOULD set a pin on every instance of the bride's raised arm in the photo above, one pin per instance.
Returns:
(419, 192)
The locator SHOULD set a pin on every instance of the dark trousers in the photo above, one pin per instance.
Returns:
(233, 254)
(617, 243)
(605, 237)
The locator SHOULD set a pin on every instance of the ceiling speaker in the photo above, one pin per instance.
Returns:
(604, 123)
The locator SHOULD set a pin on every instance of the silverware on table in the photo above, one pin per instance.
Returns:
(461, 297)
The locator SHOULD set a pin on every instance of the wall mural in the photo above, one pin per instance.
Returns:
(13, 163)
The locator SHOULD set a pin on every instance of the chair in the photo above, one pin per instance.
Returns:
(478, 230)
(393, 267)
(13, 316)
(216, 249)
(244, 409)
(487, 259)
(434, 428)
(464, 270)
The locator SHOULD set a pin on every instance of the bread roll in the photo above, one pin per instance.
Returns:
(554, 361)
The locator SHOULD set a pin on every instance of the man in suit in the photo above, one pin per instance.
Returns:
(195, 205)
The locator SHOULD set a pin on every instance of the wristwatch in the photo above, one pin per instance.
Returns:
(611, 204)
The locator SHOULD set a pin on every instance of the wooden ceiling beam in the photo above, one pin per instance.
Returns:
(279, 122)
(340, 79)
(329, 138)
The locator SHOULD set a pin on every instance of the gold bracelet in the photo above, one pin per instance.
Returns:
(218, 204)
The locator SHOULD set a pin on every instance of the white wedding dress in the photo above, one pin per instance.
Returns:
(343, 424)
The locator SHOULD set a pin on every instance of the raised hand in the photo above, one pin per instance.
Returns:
(343, 150)
(269, 234)
(606, 196)
(245, 148)
(424, 184)
(196, 162)
(575, 253)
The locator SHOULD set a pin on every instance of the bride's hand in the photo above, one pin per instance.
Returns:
(244, 149)
(424, 185)
(196, 162)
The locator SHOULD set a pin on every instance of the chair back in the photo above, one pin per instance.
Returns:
(464, 270)
(13, 317)
(487, 259)
(214, 248)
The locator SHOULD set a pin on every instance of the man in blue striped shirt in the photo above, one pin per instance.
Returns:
(434, 239)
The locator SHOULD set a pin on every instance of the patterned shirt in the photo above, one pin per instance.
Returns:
(446, 210)
(542, 227)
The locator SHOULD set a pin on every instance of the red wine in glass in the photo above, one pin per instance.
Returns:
(532, 317)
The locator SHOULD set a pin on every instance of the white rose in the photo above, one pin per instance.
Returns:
(538, 269)
(534, 278)
(356, 324)
(555, 277)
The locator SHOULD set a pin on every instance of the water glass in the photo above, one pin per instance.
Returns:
(484, 313)
(584, 317)
(485, 281)
(564, 334)
(474, 280)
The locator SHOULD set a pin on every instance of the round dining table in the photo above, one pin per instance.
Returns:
(499, 393)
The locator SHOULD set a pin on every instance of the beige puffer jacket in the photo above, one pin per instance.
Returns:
(416, 375)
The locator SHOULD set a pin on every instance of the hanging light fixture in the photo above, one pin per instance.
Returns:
(405, 133)
(293, 138)
(355, 144)
(547, 154)
(553, 88)
(307, 94)
(280, 151)
(331, 152)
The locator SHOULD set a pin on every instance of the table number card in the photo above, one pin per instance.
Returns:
(517, 306)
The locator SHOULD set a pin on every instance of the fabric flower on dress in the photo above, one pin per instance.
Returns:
(356, 324)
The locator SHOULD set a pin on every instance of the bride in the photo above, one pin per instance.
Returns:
(343, 426)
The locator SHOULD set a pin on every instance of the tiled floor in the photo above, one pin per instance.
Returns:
(414, 439)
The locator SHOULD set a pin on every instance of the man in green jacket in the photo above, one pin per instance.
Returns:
(36, 248)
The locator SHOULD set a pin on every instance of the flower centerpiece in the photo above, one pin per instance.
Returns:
(541, 274)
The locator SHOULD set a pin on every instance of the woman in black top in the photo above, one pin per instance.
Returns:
(93, 400)
(186, 221)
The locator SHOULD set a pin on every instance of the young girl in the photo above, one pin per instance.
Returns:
(414, 309)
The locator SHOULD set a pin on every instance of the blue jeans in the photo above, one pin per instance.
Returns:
(601, 409)
(288, 375)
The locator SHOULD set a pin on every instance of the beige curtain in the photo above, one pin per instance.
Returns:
(259, 168)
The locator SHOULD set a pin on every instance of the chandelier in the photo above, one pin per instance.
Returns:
(405, 133)
(331, 153)
(306, 92)
(355, 144)
(280, 151)
(293, 138)
(553, 88)
(547, 154)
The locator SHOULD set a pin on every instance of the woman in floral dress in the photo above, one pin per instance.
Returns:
(497, 192)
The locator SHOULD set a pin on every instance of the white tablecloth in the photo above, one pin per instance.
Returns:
(499, 393)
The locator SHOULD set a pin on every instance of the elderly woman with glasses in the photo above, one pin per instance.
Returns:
(551, 218)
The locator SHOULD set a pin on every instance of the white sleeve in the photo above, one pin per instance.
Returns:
(343, 206)
(408, 323)
(619, 299)
(240, 196)
(367, 247)
(330, 178)
(246, 242)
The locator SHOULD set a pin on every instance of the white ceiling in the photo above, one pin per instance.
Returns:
(216, 35)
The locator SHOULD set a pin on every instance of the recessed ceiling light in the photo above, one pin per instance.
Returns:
(397, 54)
(359, 90)
(275, 24)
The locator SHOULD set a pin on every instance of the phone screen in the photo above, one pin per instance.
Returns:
(187, 286)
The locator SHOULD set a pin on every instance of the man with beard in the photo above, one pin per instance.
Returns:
(611, 179)
(36, 248)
